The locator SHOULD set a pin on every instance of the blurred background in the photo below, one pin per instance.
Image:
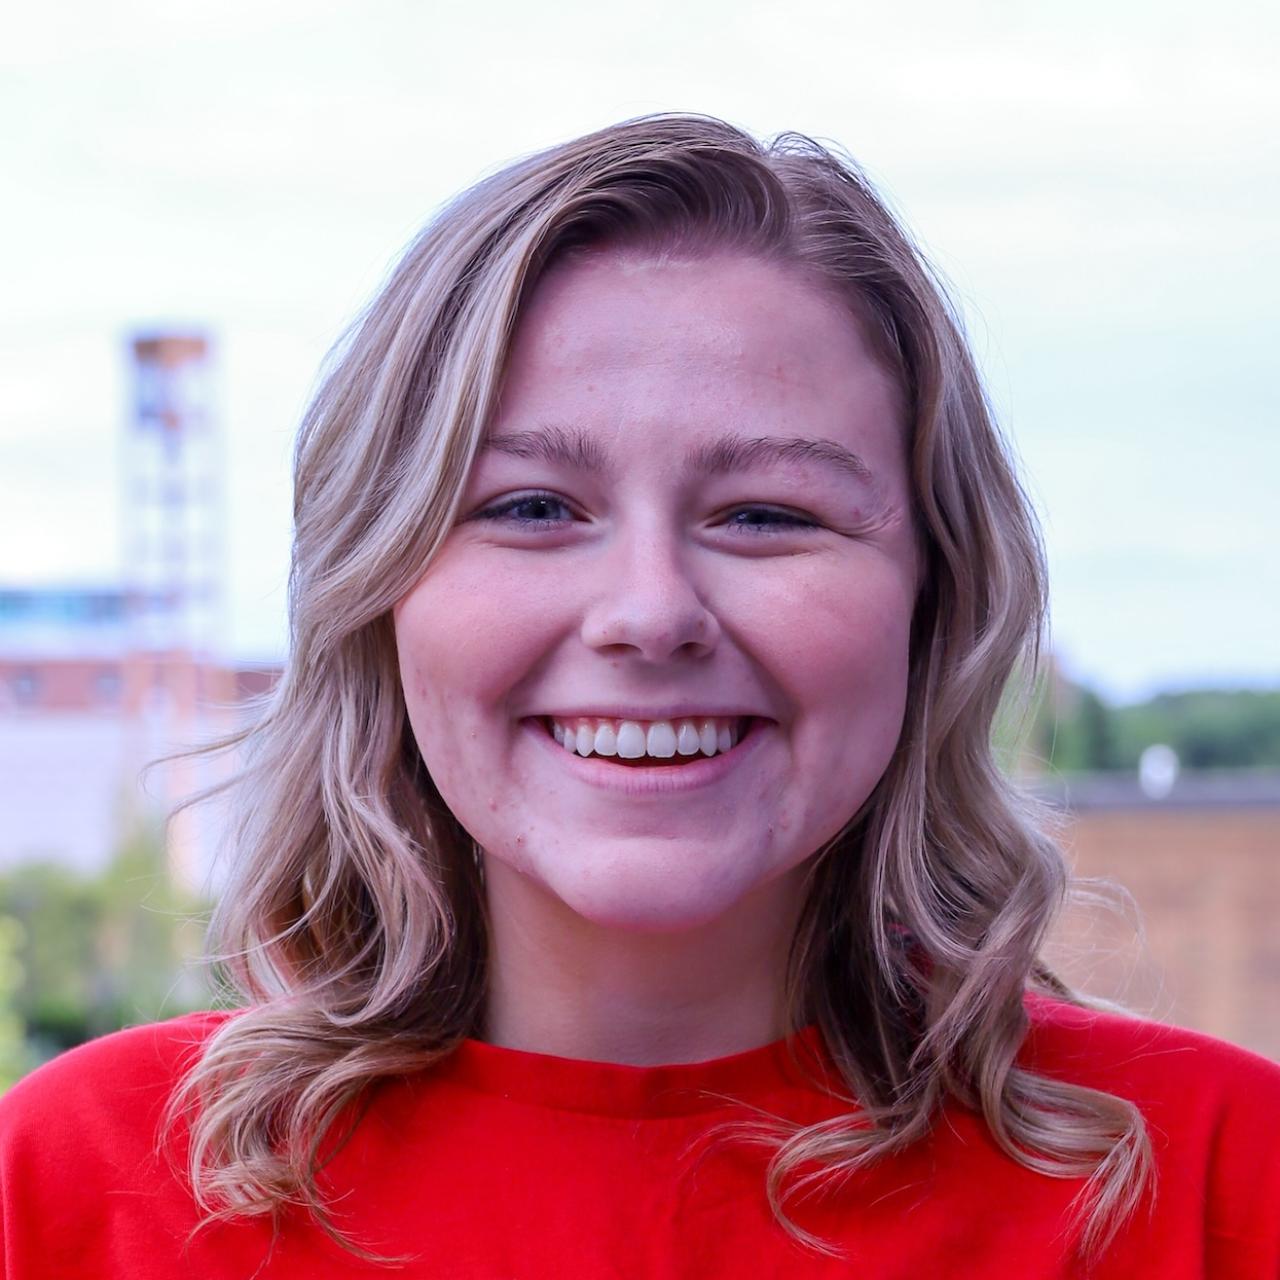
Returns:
(201, 198)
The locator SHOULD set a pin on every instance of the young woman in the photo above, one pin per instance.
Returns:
(624, 883)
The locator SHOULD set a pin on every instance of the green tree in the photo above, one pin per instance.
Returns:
(1208, 728)
(15, 1056)
(1074, 729)
(97, 953)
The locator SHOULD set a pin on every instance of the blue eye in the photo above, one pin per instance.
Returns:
(536, 501)
(749, 520)
(780, 521)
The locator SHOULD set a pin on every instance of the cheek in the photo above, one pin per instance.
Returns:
(843, 663)
(463, 636)
(841, 627)
(468, 636)
(853, 703)
(872, 663)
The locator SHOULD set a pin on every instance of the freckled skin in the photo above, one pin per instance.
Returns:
(642, 592)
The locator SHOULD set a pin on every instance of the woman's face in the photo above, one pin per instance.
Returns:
(693, 507)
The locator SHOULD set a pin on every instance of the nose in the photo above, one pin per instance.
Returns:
(647, 602)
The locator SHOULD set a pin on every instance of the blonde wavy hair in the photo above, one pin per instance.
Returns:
(353, 925)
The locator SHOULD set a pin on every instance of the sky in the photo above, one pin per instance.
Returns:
(1099, 184)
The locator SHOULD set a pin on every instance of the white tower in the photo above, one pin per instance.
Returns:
(171, 510)
(172, 539)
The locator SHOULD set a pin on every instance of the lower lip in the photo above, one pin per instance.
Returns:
(658, 780)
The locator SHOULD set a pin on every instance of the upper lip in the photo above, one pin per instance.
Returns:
(674, 711)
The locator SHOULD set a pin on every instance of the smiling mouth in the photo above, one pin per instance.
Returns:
(744, 727)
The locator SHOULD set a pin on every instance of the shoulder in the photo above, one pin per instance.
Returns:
(1145, 1061)
(137, 1059)
(92, 1179)
(1211, 1109)
(98, 1095)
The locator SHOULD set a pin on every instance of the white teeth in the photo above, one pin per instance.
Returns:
(631, 740)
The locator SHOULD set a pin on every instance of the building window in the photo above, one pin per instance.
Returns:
(107, 686)
(25, 685)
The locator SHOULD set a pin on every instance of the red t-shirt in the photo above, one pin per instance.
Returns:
(506, 1164)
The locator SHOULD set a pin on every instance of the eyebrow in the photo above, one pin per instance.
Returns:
(717, 457)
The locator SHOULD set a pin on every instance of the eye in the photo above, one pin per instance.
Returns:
(542, 505)
(546, 510)
(765, 520)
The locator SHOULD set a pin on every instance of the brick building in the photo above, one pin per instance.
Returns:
(82, 710)
(1198, 944)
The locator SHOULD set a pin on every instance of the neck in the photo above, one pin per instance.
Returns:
(563, 985)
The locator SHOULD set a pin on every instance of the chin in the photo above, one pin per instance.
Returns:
(650, 898)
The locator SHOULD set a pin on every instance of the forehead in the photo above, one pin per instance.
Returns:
(622, 338)
(744, 312)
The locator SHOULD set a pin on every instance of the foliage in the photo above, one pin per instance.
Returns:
(1208, 729)
(89, 955)
(15, 1056)
(1075, 730)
